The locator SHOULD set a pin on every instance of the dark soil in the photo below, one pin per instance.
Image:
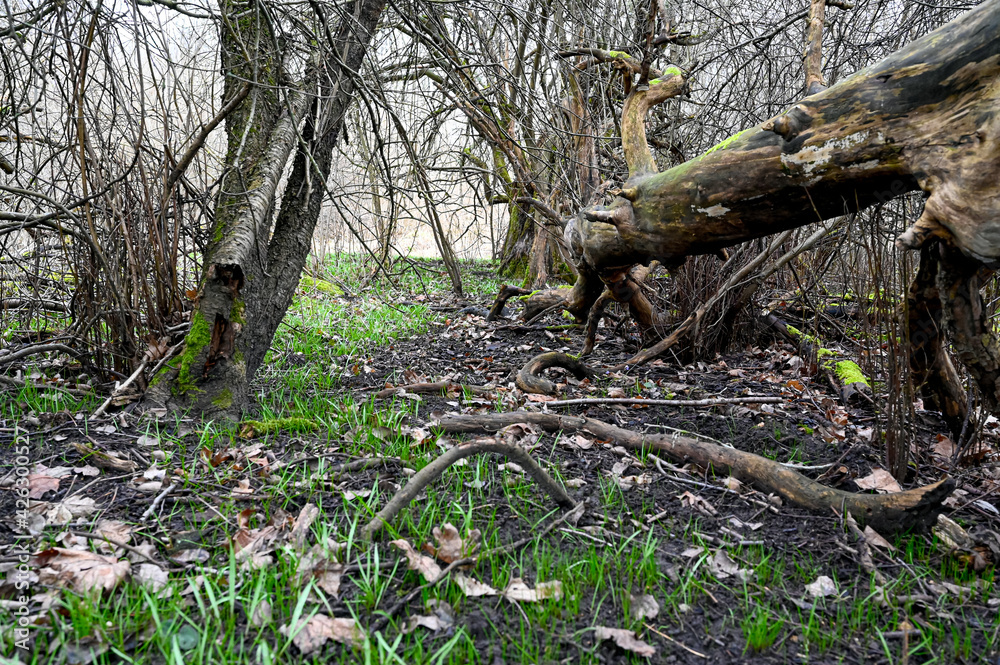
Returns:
(810, 425)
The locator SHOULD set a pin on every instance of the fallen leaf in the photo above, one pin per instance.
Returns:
(40, 483)
(582, 442)
(425, 565)
(698, 503)
(326, 573)
(616, 392)
(643, 606)
(472, 587)
(879, 480)
(442, 617)
(87, 470)
(71, 508)
(733, 484)
(822, 587)
(113, 530)
(625, 639)
(262, 614)
(517, 590)
(300, 530)
(944, 447)
(80, 570)
(150, 576)
(692, 552)
(874, 538)
(450, 546)
(314, 632)
(722, 567)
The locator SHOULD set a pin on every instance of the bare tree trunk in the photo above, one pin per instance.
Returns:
(251, 272)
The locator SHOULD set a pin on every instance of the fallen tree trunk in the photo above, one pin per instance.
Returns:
(917, 507)
(925, 117)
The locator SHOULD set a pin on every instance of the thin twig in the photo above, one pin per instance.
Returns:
(713, 401)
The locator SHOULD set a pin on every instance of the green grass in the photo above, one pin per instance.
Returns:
(204, 614)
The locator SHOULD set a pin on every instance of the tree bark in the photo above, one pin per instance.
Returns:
(251, 270)
(925, 117)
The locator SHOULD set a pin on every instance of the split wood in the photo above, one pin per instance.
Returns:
(712, 401)
(429, 473)
(918, 507)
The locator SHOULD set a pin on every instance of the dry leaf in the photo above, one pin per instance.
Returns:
(314, 632)
(879, 480)
(722, 567)
(40, 483)
(874, 538)
(196, 555)
(517, 590)
(450, 546)
(616, 392)
(80, 570)
(951, 534)
(113, 530)
(150, 576)
(315, 565)
(698, 503)
(262, 614)
(425, 565)
(625, 639)
(733, 483)
(472, 587)
(944, 447)
(71, 508)
(442, 618)
(822, 587)
(643, 606)
(300, 530)
(582, 442)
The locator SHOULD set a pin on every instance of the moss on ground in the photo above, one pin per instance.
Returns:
(252, 428)
(320, 285)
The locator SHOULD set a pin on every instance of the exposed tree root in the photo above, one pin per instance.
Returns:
(506, 293)
(900, 511)
(426, 475)
(529, 380)
(712, 401)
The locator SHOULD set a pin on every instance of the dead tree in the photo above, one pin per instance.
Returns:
(924, 118)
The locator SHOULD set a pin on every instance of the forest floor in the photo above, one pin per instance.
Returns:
(239, 543)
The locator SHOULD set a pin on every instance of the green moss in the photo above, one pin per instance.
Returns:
(320, 285)
(618, 54)
(297, 425)
(224, 400)
(197, 339)
(237, 310)
(848, 372)
(725, 143)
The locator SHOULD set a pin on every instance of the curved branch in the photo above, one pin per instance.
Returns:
(429, 473)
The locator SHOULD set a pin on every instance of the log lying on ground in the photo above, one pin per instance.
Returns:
(915, 508)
